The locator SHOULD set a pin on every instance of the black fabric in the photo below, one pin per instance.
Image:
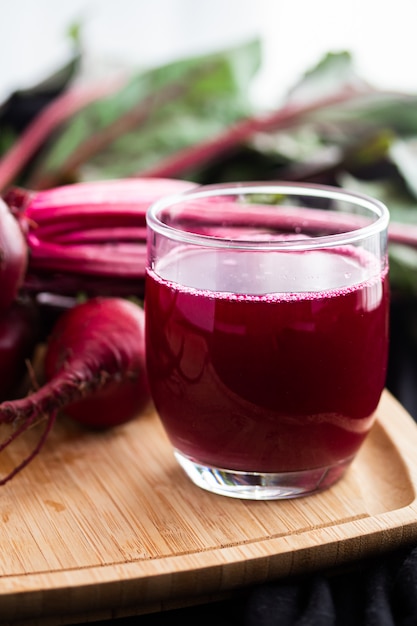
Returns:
(382, 593)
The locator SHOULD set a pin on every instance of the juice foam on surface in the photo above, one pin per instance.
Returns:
(267, 272)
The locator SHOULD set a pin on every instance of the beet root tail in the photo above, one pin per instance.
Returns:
(42, 405)
(50, 420)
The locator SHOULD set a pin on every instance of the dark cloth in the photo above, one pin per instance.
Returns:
(379, 593)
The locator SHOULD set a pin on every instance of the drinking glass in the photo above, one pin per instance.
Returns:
(267, 332)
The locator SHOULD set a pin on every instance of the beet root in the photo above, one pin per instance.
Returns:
(95, 370)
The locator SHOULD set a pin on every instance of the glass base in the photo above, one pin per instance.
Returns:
(258, 485)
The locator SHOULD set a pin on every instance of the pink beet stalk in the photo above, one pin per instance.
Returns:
(88, 232)
(405, 234)
(111, 259)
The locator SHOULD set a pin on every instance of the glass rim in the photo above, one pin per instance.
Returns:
(312, 190)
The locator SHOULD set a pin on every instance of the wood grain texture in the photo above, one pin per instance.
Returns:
(105, 525)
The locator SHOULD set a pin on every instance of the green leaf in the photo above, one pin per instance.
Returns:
(186, 101)
(404, 155)
(402, 207)
(335, 71)
(374, 111)
(403, 268)
(74, 33)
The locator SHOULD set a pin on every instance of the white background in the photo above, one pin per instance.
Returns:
(382, 36)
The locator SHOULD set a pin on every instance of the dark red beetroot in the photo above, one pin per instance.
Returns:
(19, 328)
(95, 371)
(100, 345)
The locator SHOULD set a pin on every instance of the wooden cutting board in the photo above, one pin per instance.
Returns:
(107, 525)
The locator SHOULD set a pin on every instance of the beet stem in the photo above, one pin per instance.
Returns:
(57, 112)
(99, 140)
(206, 151)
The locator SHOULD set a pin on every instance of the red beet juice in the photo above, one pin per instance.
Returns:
(267, 361)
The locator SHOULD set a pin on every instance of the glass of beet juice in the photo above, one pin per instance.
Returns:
(267, 332)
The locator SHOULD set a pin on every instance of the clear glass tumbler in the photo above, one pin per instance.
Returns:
(267, 310)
